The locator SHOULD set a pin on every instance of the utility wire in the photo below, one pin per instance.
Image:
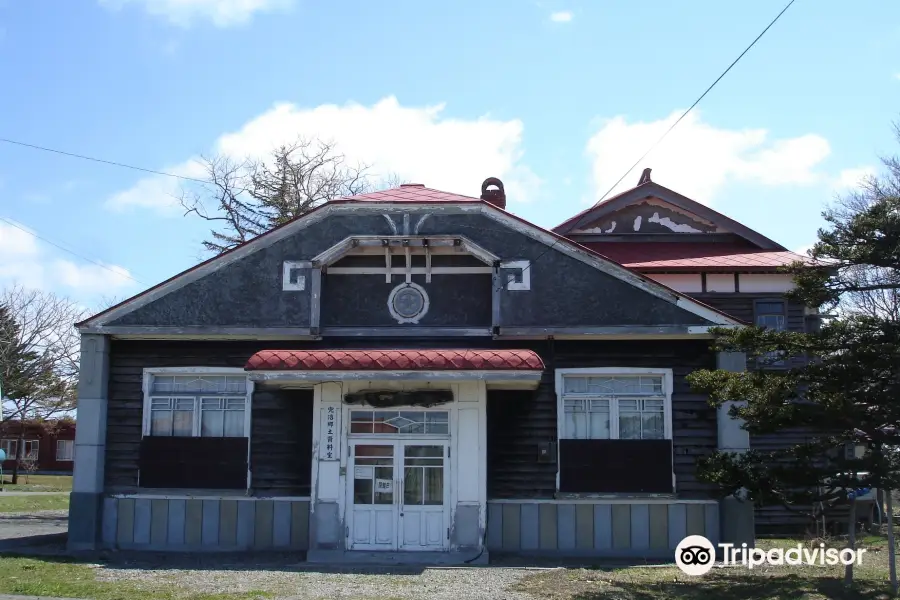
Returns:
(100, 160)
(697, 101)
(154, 172)
(73, 253)
(684, 114)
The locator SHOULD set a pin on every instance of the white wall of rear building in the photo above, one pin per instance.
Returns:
(748, 283)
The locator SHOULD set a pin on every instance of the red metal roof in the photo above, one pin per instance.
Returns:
(395, 360)
(693, 256)
(409, 192)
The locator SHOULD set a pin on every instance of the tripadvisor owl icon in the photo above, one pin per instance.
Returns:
(695, 555)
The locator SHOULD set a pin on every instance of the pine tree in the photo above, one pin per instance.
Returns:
(844, 383)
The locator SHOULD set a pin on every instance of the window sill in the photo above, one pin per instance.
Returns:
(175, 492)
(611, 496)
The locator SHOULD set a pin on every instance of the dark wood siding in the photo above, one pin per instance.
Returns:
(740, 306)
(281, 428)
(518, 422)
(769, 519)
(281, 446)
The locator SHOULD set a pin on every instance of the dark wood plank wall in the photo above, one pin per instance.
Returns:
(273, 438)
(281, 442)
(518, 422)
(769, 518)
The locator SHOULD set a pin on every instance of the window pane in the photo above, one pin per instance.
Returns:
(183, 423)
(384, 475)
(434, 486)
(161, 422)
(599, 405)
(362, 491)
(768, 308)
(236, 384)
(575, 425)
(163, 383)
(65, 449)
(212, 423)
(599, 426)
(575, 385)
(437, 428)
(572, 405)
(412, 485)
(653, 426)
(234, 423)
(627, 404)
(629, 425)
(775, 322)
(399, 422)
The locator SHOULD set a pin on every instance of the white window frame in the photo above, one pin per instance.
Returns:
(148, 378)
(200, 371)
(667, 378)
(71, 455)
(7, 443)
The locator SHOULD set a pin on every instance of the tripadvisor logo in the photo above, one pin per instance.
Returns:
(695, 555)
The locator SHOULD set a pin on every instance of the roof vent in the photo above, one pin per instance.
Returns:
(412, 185)
(645, 177)
(492, 192)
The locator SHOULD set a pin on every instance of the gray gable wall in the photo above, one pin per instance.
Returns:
(565, 292)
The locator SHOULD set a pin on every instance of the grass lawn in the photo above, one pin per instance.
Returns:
(55, 578)
(38, 483)
(727, 583)
(19, 504)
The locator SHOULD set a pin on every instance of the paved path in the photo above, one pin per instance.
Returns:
(24, 525)
(24, 493)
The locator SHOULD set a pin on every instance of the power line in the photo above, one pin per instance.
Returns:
(154, 172)
(697, 101)
(100, 160)
(73, 253)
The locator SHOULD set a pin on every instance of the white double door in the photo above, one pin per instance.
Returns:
(398, 494)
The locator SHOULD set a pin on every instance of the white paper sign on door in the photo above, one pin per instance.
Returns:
(384, 486)
(363, 472)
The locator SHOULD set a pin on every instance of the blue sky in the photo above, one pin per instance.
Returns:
(555, 98)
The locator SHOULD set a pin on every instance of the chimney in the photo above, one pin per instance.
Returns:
(645, 177)
(492, 191)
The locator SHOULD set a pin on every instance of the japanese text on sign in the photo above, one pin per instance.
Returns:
(329, 433)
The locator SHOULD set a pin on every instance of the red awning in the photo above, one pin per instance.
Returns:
(395, 360)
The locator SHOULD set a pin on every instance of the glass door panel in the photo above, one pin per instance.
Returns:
(374, 510)
(423, 509)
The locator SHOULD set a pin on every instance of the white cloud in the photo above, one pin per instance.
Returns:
(158, 192)
(804, 250)
(849, 179)
(222, 13)
(698, 159)
(418, 144)
(26, 260)
(563, 16)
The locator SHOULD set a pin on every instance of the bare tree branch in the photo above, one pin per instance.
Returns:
(244, 199)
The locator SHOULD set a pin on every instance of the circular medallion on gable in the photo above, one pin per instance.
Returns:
(408, 302)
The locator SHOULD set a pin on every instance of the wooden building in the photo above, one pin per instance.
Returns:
(51, 446)
(418, 372)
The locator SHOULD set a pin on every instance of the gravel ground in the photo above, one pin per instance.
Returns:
(286, 578)
(19, 525)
